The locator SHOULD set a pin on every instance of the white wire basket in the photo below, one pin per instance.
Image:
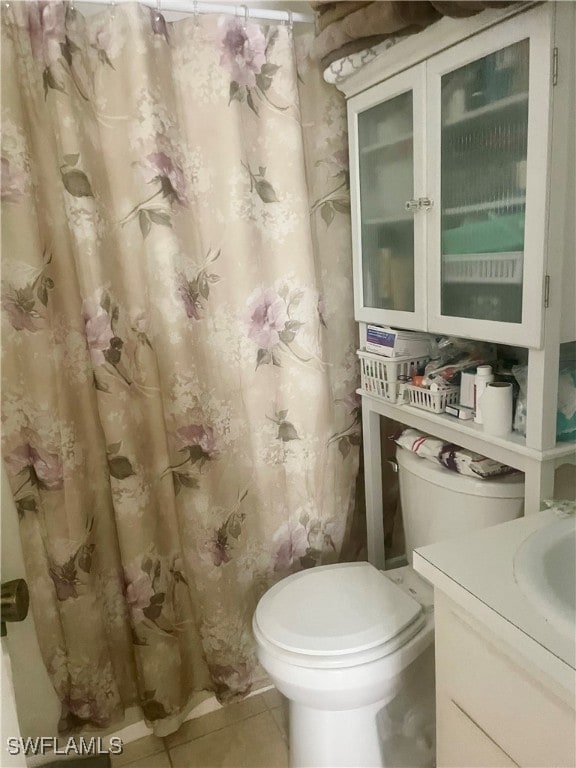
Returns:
(380, 375)
(435, 402)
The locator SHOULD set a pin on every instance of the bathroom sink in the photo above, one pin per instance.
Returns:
(545, 571)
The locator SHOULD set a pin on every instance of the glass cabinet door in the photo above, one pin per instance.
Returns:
(488, 102)
(386, 182)
(484, 127)
(387, 232)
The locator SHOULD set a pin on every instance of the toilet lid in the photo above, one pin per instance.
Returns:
(335, 609)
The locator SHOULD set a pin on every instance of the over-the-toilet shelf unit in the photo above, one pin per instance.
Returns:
(462, 160)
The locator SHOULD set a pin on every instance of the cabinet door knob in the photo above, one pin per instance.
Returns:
(411, 205)
(425, 202)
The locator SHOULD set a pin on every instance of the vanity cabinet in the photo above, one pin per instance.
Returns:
(492, 707)
(462, 178)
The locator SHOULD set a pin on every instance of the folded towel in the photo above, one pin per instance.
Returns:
(343, 28)
(328, 13)
(376, 18)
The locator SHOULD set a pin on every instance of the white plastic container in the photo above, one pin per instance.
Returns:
(483, 377)
(439, 504)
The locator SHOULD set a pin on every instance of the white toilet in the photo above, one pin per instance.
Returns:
(351, 647)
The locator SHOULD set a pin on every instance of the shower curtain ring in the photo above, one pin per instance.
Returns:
(290, 21)
(246, 15)
(158, 8)
(195, 12)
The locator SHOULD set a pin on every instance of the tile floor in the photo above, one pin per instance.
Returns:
(250, 734)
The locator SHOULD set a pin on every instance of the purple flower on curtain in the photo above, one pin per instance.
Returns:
(217, 548)
(18, 459)
(231, 680)
(48, 468)
(291, 543)
(13, 182)
(198, 443)
(243, 49)
(158, 166)
(45, 468)
(99, 333)
(267, 318)
(47, 29)
(139, 591)
(198, 440)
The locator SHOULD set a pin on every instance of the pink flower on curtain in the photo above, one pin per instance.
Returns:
(13, 182)
(18, 459)
(217, 548)
(158, 166)
(139, 591)
(267, 317)
(243, 49)
(198, 439)
(47, 29)
(48, 468)
(291, 541)
(99, 333)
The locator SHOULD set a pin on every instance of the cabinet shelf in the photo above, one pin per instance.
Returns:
(401, 219)
(492, 205)
(493, 110)
(511, 450)
(381, 146)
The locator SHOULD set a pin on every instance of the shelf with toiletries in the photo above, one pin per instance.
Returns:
(481, 384)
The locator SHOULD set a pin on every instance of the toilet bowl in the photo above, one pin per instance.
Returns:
(351, 647)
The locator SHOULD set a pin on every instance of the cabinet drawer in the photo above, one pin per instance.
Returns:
(461, 742)
(517, 711)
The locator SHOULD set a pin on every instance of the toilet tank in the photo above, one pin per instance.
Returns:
(439, 504)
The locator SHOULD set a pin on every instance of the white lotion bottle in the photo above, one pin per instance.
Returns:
(483, 377)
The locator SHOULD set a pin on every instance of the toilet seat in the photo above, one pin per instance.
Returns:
(336, 616)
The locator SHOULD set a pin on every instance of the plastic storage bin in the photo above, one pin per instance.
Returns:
(435, 402)
(379, 375)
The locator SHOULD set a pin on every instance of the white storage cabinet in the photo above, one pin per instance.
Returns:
(463, 207)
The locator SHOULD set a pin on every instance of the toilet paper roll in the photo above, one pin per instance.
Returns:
(496, 403)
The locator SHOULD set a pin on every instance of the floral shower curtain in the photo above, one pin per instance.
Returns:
(179, 423)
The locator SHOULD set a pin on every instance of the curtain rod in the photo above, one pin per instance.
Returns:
(187, 6)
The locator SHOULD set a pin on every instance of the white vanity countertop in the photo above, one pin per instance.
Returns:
(476, 571)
